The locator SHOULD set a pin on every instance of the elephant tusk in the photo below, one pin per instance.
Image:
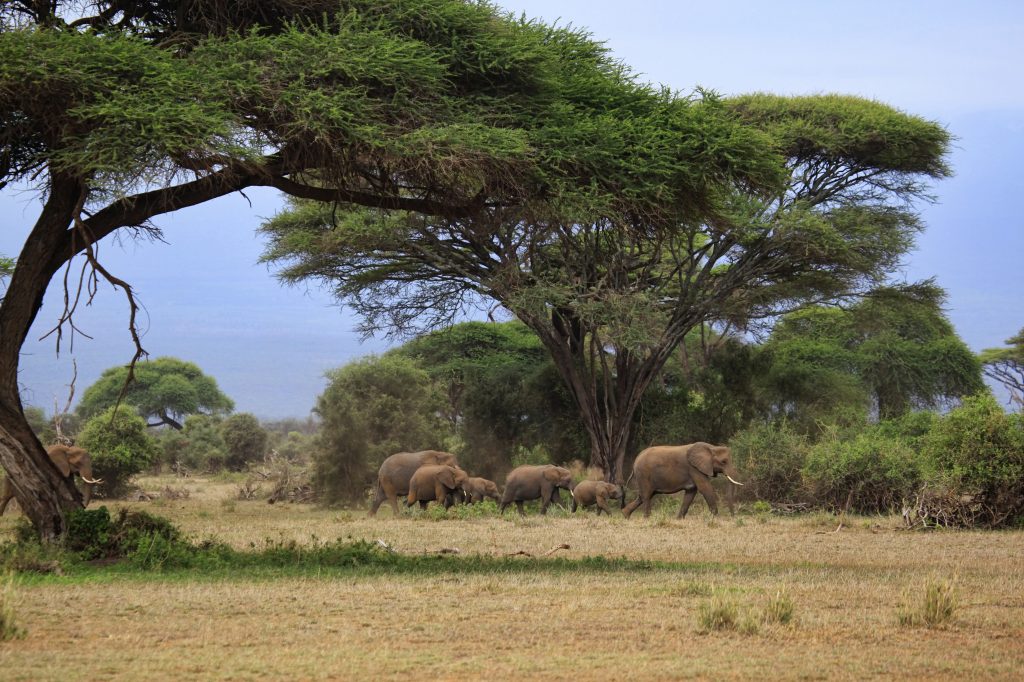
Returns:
(733, 479)
(92, 480)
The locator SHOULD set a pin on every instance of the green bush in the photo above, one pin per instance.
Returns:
(770, 457)
(875, 472)
(148, 541)
(245, 440)
(978, 453)
(120, 447)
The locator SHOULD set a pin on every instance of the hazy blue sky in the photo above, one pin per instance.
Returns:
(207, 300)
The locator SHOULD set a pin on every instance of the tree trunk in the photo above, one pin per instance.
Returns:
(43, 494)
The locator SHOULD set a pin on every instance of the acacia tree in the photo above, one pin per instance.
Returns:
(612, 284)
(119, 112)
(1006, 366)
(894, 350)
(164, 389)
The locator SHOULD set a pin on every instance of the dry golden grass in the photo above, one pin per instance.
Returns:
(846, 589)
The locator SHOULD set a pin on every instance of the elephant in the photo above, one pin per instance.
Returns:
(668, 469)
(396, 471)
(440, 482)
(70, 460)
(531, 482)
(479, 489)
(587, 493)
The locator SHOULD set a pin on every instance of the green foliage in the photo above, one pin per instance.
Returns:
(371, 409)
(1006, 366)
(502, 395)
(978, 454)
(869, 471)
(120, 447)
(93, 534)
(199, 446)
(245, 440)
(166, 389)
(705, 392)
(895, 348)
(771, 456)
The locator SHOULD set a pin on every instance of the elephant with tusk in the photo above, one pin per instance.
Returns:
(667, 469)
(70, 460)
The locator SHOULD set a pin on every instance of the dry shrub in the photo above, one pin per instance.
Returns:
(721, 613)
(9, 628)
(779, 609)
(936, 609)
(169, 493)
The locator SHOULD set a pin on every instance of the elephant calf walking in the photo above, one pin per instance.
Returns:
(479, 489)
(440, 482)
(587, 493)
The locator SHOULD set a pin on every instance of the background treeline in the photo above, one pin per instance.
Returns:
(872, 408)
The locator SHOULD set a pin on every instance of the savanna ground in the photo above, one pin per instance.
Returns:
(515, 617)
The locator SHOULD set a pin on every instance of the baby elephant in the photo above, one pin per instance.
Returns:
(440, 482)
(587, 493)
(480, 488)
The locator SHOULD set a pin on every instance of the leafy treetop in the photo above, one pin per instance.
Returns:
(165, 389)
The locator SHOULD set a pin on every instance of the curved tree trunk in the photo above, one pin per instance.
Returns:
(43, 494)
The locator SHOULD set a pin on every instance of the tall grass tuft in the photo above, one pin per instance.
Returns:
(721, 613)
(937, 609)
(9, 628)
(779, 609)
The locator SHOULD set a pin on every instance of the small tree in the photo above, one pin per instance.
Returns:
(1006, 366)
(372, 408)
(165, 390)
(245, 440)
(120, 447)
(894, 350)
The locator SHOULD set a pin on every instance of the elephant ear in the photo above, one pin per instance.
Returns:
(552, 474)
(59, 456)
(447, 477)
(699, 457)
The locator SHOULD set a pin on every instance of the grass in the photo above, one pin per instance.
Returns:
(625, 596)
(937, 608)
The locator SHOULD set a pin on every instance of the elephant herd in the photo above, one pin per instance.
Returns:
(435, 476)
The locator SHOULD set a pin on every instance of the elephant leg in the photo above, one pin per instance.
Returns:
(631, 507)
(393, 499)
(708, 491)
(378, 498)
(687, 501)
(423, 504)
(602, 504)
(441, 495)
(648, 499)
(519, 506)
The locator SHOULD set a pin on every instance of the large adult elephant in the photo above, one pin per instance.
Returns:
(437, 482)
(396, 471)
(70, 460)
(532, 482)
(667, 469)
